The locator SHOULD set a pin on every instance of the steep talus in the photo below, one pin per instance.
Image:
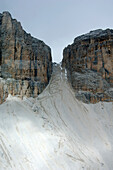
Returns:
(89, 64)
(25, 62)
(55, 131)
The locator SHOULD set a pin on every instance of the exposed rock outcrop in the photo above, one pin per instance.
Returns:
(25, 62)
(89, 64)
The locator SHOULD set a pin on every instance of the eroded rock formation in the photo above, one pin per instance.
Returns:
(25, 62)
(89, 64)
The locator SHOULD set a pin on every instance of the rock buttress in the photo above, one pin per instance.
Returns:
(25, 62)
(89, 64)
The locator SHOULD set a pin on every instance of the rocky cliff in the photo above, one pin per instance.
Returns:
(25, 62)
(89, 64)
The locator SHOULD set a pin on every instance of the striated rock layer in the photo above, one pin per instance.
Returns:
(89, 64)
(25, 62)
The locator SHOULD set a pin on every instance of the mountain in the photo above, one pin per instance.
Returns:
(55, 116)
(89, 64)
(25, 62)
(56, 131)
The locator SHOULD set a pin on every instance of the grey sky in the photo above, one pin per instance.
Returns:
(58, 22)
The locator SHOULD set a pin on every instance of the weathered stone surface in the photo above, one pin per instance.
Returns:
(89, 64)
(25, 60)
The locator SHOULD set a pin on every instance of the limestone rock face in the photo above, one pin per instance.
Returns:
(25, 62)
(89, 64)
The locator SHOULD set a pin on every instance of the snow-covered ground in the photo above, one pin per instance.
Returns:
(55, 131)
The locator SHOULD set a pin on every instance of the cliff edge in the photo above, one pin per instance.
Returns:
(89, 64)
(25, 62)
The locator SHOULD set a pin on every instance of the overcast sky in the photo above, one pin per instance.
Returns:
(58, 22)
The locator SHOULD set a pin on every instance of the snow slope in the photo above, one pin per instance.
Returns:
(56, 131)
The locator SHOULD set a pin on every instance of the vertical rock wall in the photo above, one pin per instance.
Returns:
(25, 62)
(89, 63)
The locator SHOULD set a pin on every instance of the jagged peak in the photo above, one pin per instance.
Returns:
(6, 13)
